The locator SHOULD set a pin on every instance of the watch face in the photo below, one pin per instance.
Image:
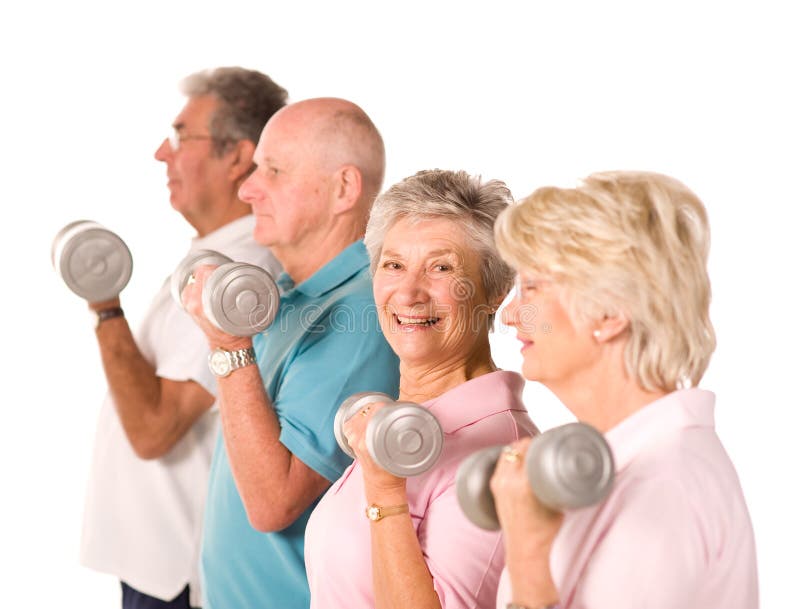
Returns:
(219, 363)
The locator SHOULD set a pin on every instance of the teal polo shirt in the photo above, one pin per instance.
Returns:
(324, 345)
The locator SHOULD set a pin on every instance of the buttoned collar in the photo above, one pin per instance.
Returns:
(675, 411)
(347, 263)
(220, 239)
(478, 398)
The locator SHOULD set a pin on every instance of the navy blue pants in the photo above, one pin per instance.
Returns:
(133, 599)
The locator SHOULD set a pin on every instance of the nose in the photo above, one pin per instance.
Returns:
(413, 288)
(510, 315)
(251, 190)
(164, 151)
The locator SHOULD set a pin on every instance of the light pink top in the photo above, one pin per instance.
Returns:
(674, 533)
(465, 561)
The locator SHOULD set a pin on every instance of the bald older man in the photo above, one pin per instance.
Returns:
(320, 164)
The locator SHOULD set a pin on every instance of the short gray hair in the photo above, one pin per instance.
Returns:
(454, 195)
(247, 99)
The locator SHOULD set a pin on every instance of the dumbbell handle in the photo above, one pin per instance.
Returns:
(568, 467)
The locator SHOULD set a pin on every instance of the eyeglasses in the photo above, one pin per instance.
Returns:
(175, 139)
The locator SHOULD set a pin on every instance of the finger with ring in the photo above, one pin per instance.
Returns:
(511, 454)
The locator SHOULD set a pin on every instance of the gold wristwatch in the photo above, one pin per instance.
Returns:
(376, 512)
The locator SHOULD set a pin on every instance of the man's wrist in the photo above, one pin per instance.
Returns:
(102, 315)
(106, 304)
(235, 343)
(223, 362)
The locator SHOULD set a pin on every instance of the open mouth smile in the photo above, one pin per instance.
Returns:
(415, 322)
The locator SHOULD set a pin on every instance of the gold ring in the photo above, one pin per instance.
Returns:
(191, 279)
(512, 455)
(364, 411)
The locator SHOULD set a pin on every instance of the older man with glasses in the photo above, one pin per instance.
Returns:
(157, 426)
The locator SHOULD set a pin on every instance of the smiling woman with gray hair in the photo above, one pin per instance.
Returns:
(617, 268)
(438, 280)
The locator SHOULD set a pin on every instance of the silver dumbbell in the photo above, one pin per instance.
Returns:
(238, 298)
(568, 467)
(404, 438)
(94, 262)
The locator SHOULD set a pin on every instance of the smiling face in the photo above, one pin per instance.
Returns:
(431, 302)
(555, 349)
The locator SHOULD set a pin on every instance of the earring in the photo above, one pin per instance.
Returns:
(596, 334)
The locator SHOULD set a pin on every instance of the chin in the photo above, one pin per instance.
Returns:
(414, 354)
(263, 236)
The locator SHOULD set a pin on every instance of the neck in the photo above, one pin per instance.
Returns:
(420, 381)
(604, 394)
(302, 259)
(218, 216)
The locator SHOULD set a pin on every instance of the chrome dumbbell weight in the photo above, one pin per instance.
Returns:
(94, 262)
(568, 467)
(238, 298)
(404, 438)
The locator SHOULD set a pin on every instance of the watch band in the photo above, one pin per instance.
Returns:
(242, 357)
(106, 314)
(376, 512)
(222, 362)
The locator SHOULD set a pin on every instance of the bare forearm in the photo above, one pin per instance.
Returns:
(529, 570)
(132, 380)
(275, 486)
(400, 575)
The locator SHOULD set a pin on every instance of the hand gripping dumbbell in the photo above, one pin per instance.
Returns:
(94, 262)
(238, 298)
(403, 438)
(568, 467)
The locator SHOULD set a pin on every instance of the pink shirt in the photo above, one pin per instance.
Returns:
(465, 561)
(674, 533)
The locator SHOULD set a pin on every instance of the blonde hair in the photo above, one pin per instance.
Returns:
(630, 243)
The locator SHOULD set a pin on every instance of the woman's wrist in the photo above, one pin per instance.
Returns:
(380, 494)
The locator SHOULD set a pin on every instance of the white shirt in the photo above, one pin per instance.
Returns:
(143, 519)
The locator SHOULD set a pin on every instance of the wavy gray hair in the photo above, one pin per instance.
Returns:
(454, 195)
(247, 100)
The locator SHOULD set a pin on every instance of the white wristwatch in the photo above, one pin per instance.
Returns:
(222, 362)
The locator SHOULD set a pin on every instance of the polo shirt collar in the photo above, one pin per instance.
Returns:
(224, 236)
(347, 263)
(675, 411)
(478, 398)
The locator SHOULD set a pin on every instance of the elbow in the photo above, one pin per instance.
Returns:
(268, 516)
(147, 447)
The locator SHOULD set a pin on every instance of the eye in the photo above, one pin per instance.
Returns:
(391, 265)
(442, 268)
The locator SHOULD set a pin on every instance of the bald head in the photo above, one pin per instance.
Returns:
(337, 133)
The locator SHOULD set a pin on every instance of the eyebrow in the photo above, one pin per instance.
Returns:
(431, 254)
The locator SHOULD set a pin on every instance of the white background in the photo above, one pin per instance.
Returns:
(533, 93)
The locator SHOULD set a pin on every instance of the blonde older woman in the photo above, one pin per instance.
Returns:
(438, 280)
(616, 268)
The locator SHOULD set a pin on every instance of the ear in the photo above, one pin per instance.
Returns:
(495, 304)
(347, 188)
(610, 327)
(241, 160)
